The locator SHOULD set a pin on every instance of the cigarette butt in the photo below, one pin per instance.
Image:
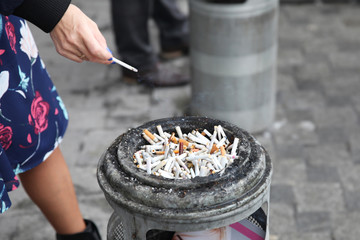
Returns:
(222, 149)
(160, 152)
(150, 135)
(181, 147)
(173, 138)
(214, 149)
(185, 143)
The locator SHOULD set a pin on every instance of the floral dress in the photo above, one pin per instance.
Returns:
(33, 118)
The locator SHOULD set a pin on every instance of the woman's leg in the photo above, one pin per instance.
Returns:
(50, 186)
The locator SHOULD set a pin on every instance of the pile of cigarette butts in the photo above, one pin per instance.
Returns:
(185, 156)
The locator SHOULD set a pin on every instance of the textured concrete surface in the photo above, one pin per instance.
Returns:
(314, 142)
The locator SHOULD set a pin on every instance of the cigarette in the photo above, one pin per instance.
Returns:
(165, 174)
(235, 144)
(204, 171)
(138, 157)
(199, 135)
(181, 147)
(214, 149)
(159, 166)
(124, 64)
(223, 162)
(179, 132)
(222, 149)
(192, 173)
(185, 143)
(150, 135)
(161, 132)
(147, 138)
(173, 138)
(147, 159)
(159, 137)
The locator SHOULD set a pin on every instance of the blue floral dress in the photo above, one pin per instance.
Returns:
(33, 118)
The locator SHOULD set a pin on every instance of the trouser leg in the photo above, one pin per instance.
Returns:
(130, 23)
(173, 25)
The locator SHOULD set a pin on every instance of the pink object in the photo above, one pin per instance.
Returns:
(246, 231)
(10, 32)
(39, 114)
(5, 136)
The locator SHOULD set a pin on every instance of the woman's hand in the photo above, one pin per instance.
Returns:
(78, 38)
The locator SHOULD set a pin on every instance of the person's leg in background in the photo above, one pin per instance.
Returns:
(173, 27)
(130, 24)
(50, 187)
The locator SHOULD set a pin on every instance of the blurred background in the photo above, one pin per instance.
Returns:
(313, 141)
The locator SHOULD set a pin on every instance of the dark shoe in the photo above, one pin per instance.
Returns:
(168, 55)
(162, 76)
(90, 233)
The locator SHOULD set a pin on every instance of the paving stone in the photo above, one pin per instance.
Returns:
(319, 197)
(335, 117)
(282, 219)
(322, 173)
(95, 142)
(335, 154)
(332, 134)
(352, 200)
(313, 221)
(281, 193)
(288, 171)
(349, 175)
(307, 236)
(346, 226)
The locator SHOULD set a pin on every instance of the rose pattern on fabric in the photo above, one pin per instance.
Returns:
(5, 136)
(27, 43)
(10, 32)
(2, 51)
(39, 114)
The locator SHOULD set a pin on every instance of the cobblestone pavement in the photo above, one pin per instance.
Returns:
(314, 142)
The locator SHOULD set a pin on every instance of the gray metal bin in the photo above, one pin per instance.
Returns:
(233, 61)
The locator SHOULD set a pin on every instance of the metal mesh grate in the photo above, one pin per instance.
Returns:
(119, 232)
(115, 229)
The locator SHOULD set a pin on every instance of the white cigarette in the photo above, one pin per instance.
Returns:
(147, 138)
(168, 164)
(235, 144)
(158, 158)
(179, 132)
(181, 163)
(138, 157)
(204, 171)
(160, 130)
(124, 64)
(159, 137)
(147, 158)
(223, 162)
(192, 173)
(199, 135)
(159, 166)
(165, 174)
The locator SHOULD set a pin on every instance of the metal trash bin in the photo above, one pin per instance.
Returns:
(233, 53)
(143, 202)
